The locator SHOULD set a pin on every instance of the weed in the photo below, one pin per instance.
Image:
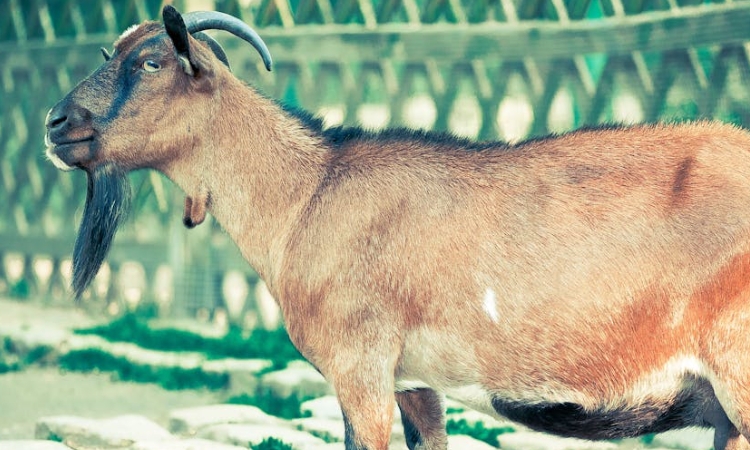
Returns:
(477, 430)
(287, 408)
(272, 444)
(172, 378)
(274, 345)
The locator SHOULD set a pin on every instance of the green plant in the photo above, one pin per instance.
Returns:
(172, 378)
(272, 444)
(477, 430)
(287, 408)
(53, 437)
(37, 355)
(12, 359)
(8, 364)
(20, 289)
(274, 345)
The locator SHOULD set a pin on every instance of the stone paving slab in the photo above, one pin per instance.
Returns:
(687, 439)
(461, 442)
(243, 373)
(117, 432)
(474, 417)
(299, 379)
(189, 421)
(326, 407)
(529, 440)
(183, 444)
(32, 444)
(330, 430)
(246, 435)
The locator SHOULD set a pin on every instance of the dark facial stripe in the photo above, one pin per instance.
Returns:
(126, 79)
(107, 203)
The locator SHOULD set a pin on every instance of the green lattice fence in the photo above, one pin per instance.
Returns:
(503, 69)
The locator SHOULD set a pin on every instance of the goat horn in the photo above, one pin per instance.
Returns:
(214, 20)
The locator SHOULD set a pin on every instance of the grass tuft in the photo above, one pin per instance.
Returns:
(287, 408)
(172, 378)
(273, 345)
(477, 430)
(272, 444)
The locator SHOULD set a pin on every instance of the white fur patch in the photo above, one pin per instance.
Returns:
(490, 305)
(663, 383)
(51, 156)
(474, 396)
(128, 31)
(409, 385)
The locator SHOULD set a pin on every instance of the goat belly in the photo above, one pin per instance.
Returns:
(682, 410)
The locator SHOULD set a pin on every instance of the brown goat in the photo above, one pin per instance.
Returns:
(594, 284)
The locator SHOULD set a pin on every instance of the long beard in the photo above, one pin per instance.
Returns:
(107, 204)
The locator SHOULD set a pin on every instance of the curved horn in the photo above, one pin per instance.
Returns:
(214, 46)
(214, 20)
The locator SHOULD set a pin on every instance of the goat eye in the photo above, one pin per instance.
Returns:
(151, 66)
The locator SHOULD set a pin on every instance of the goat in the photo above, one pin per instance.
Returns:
(593, 284)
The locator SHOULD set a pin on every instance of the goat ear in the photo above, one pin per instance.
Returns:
(177, 31)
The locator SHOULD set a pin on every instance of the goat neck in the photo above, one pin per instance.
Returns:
(257, 167)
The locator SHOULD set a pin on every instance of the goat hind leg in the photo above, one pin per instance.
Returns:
(726, 435)
(423, 419)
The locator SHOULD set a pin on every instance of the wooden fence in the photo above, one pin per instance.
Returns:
(504, 69)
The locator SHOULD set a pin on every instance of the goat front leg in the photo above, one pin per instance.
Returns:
(367, 409)
(361, 370)
(423, 419)
(365, 393)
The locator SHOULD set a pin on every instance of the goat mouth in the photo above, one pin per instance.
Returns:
(69, 154)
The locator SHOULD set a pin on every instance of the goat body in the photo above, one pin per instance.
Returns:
(594, 284)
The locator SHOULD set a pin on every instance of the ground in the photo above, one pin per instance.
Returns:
(28, 395)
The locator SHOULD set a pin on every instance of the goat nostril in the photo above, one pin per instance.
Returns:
(56, 120)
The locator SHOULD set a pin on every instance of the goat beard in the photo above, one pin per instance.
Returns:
(107, 205)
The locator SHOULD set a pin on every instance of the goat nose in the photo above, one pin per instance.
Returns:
(55, 118)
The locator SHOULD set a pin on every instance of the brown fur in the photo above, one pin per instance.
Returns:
(561, 271)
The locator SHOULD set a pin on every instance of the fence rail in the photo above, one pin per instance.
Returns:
(483, 69)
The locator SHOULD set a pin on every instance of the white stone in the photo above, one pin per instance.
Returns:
(228, 365)
(183, 444)
(473, 417)
(121, 431)
(248, 435)
(529, 440)
(299, 379)
(333, 446)
(243, 373)
(189, 421)
(686, 439)
(399, 445)
(461, 442)
(330, 430)
(32, 445)
(139, 355)
(326, 407)
(32, 337)
(190, 325)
